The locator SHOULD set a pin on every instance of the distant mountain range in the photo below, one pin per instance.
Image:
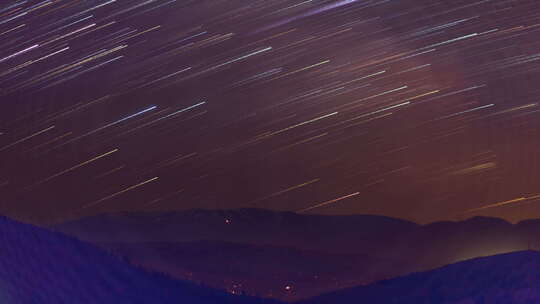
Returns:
(500, 279)
(300, 255)
(40, 267)
(253, 226)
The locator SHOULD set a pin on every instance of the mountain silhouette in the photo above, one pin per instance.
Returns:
(500, 279)
(253, 226)
(39, 266)
(374, 247)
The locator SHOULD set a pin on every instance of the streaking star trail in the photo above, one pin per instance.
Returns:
(419, 109)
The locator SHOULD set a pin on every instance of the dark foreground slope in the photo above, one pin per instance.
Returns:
(39, 266)
(500, 279)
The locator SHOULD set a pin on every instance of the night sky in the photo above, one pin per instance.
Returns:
(418, 109)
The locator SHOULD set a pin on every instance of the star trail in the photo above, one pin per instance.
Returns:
(424, 110)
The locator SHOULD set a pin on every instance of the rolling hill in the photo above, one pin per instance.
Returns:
(500, 279)
(39, 266)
